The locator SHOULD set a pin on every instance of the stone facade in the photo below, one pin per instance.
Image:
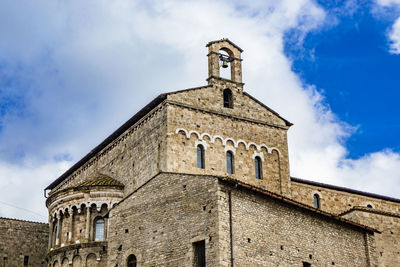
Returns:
(183, 210)
(23, 243)
(162, 191)
(267, 232)
(337, 200)
(387, 241)
(167, 202)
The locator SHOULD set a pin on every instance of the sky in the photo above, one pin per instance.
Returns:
(71, 72)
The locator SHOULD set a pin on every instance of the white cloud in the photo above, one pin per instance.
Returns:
(388, 2)
(391, 7)
(89, 66)
(394, 36)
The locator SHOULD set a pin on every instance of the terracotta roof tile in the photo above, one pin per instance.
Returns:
(100, 180)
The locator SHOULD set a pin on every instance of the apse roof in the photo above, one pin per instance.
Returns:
(100, 180)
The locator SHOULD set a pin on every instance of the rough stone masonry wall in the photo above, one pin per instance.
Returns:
(22, 238)
(268, 142)
(387, 242)
(211, 98)
(131, 158)
(335, 201)
(159, 222)
(270, 233)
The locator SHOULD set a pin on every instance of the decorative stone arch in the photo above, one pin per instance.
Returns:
(230, 148)
(60, 212)
(275, 149)
(266, 148)
(217, 137)
(91, 260)
(240, 141)
(66, 210)
(201, 142)
(56, 264)
(77, 261)
(83, 206)
(194, 132)
(65, 262)
(205, 134)
(315, 192)
(252, 144)
(258, 154)
(229, 139)
(184, 131)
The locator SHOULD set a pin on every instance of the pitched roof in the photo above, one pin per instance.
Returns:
(370, 210)
(288, 123)
(224, 40)
(135, 118)
(345, 189)
(100, 180)
(109, 139)
(20, 220)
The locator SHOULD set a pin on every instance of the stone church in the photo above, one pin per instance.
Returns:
(200, 177)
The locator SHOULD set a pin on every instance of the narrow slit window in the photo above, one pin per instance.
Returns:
(200, 157)
(258, 167)
(199, 249)
(230, 162)
(99, 230)
(26, 260)
(317, 201)
(228, 102)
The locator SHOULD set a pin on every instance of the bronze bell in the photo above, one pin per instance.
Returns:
(225, 64)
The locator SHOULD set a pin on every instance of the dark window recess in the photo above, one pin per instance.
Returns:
(317, 202)
(228, 102)
(200, 157)
(229, 162)
(257, 162)
(131, 261)
(26, 260)
(199, 249)
(306, 264)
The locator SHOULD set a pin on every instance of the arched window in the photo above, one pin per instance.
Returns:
(369, 206)
(131, 261)
(200, 157)
(228, 102)
(99, 230)
(230, 168)
(317, 203)
(257, 165)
